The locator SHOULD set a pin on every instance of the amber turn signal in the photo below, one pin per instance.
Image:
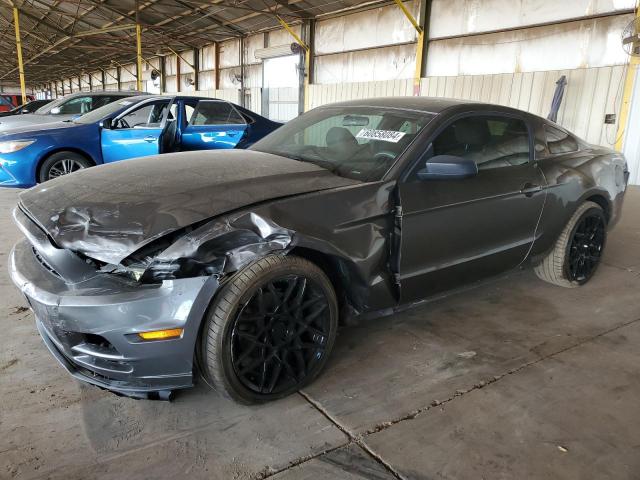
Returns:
(162, 334)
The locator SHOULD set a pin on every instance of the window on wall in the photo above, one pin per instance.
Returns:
(559, 141)
(490, 141)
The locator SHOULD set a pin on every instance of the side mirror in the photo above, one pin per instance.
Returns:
(448, 167)
(25, 110)
(55, 111)
(107, 123)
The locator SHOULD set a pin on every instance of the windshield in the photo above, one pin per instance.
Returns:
(353, 142)
(47, 108)
(103, 112)
(5, 101)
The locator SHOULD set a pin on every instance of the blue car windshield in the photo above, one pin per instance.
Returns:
(357, 142)
(104, 112)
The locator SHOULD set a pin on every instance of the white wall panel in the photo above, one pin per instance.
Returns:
(127, 73)
(228, 94)
(396, 62)
(229, 53)
(589, 95)
(208, 57)
(371, 28)
(586, 43)
(631, 145)
(207, 80)
(170, 84)
(170, 65)
(251, 44)
(461, 17)
(186, 58)
(228, 78)
(253, 76)
(282, 37)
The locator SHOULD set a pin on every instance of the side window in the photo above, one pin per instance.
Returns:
(149, 115)
(490, 141)
(102, 100)
(76, 106)
(559, 141)
(188, 112)
(215, 112)
(173, 111)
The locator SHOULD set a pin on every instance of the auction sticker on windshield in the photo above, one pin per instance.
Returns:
(384, 135)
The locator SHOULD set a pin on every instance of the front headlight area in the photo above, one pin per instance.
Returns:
(213, 248)
(12, 146)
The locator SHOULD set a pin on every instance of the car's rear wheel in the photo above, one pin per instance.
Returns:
(270, 329)
(62, 163)
(577, 252)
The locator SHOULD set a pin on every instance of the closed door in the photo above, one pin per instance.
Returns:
(458, 231)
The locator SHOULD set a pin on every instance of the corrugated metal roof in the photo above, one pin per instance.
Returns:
(63, 38)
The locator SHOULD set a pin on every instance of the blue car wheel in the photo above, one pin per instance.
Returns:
(62, 163)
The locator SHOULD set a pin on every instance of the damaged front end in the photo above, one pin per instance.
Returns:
(214, 248)
(106, 322)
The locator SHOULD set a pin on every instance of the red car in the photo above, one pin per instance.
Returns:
(9, 101)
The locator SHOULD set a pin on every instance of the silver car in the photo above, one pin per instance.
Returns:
(65, 108)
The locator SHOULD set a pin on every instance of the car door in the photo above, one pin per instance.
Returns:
(214, 124)
(136, 133)
(458, 231)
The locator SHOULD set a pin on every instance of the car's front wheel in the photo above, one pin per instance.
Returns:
(62, 163)
(270, 329)
(577, 252)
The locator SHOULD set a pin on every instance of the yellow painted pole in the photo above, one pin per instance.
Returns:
(418, 73)
(16, 22)
(627, 95)
(139, 57)
(419, 47)
(307, 59)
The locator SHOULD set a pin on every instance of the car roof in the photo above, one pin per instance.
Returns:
(106, 93)
(422, 104)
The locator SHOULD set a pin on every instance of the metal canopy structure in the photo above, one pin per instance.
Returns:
(67, 37)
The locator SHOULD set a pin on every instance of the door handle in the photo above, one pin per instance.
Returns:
(150, 139)
(528, 189)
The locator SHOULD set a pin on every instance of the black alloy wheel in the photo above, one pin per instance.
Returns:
(269, 329)
(586, 247)
(280, 335)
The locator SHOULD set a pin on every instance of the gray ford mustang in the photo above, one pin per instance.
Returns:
(242, 263)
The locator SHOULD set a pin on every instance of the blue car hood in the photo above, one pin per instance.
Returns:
(110, 211)
(29, 130)
(19, 121)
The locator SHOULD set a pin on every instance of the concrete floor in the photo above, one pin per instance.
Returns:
(512, 379)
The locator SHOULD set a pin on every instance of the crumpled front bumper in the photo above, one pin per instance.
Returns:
(91, 326)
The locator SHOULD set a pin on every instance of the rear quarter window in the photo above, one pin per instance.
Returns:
(559, 141)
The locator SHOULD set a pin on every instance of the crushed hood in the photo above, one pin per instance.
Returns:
(110, 211)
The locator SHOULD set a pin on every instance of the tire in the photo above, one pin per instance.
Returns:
(561, 266)
(64, 163)
(251, 335)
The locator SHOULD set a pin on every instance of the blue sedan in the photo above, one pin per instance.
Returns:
(128, 128)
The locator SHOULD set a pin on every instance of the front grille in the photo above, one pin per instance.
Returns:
(44, 263)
